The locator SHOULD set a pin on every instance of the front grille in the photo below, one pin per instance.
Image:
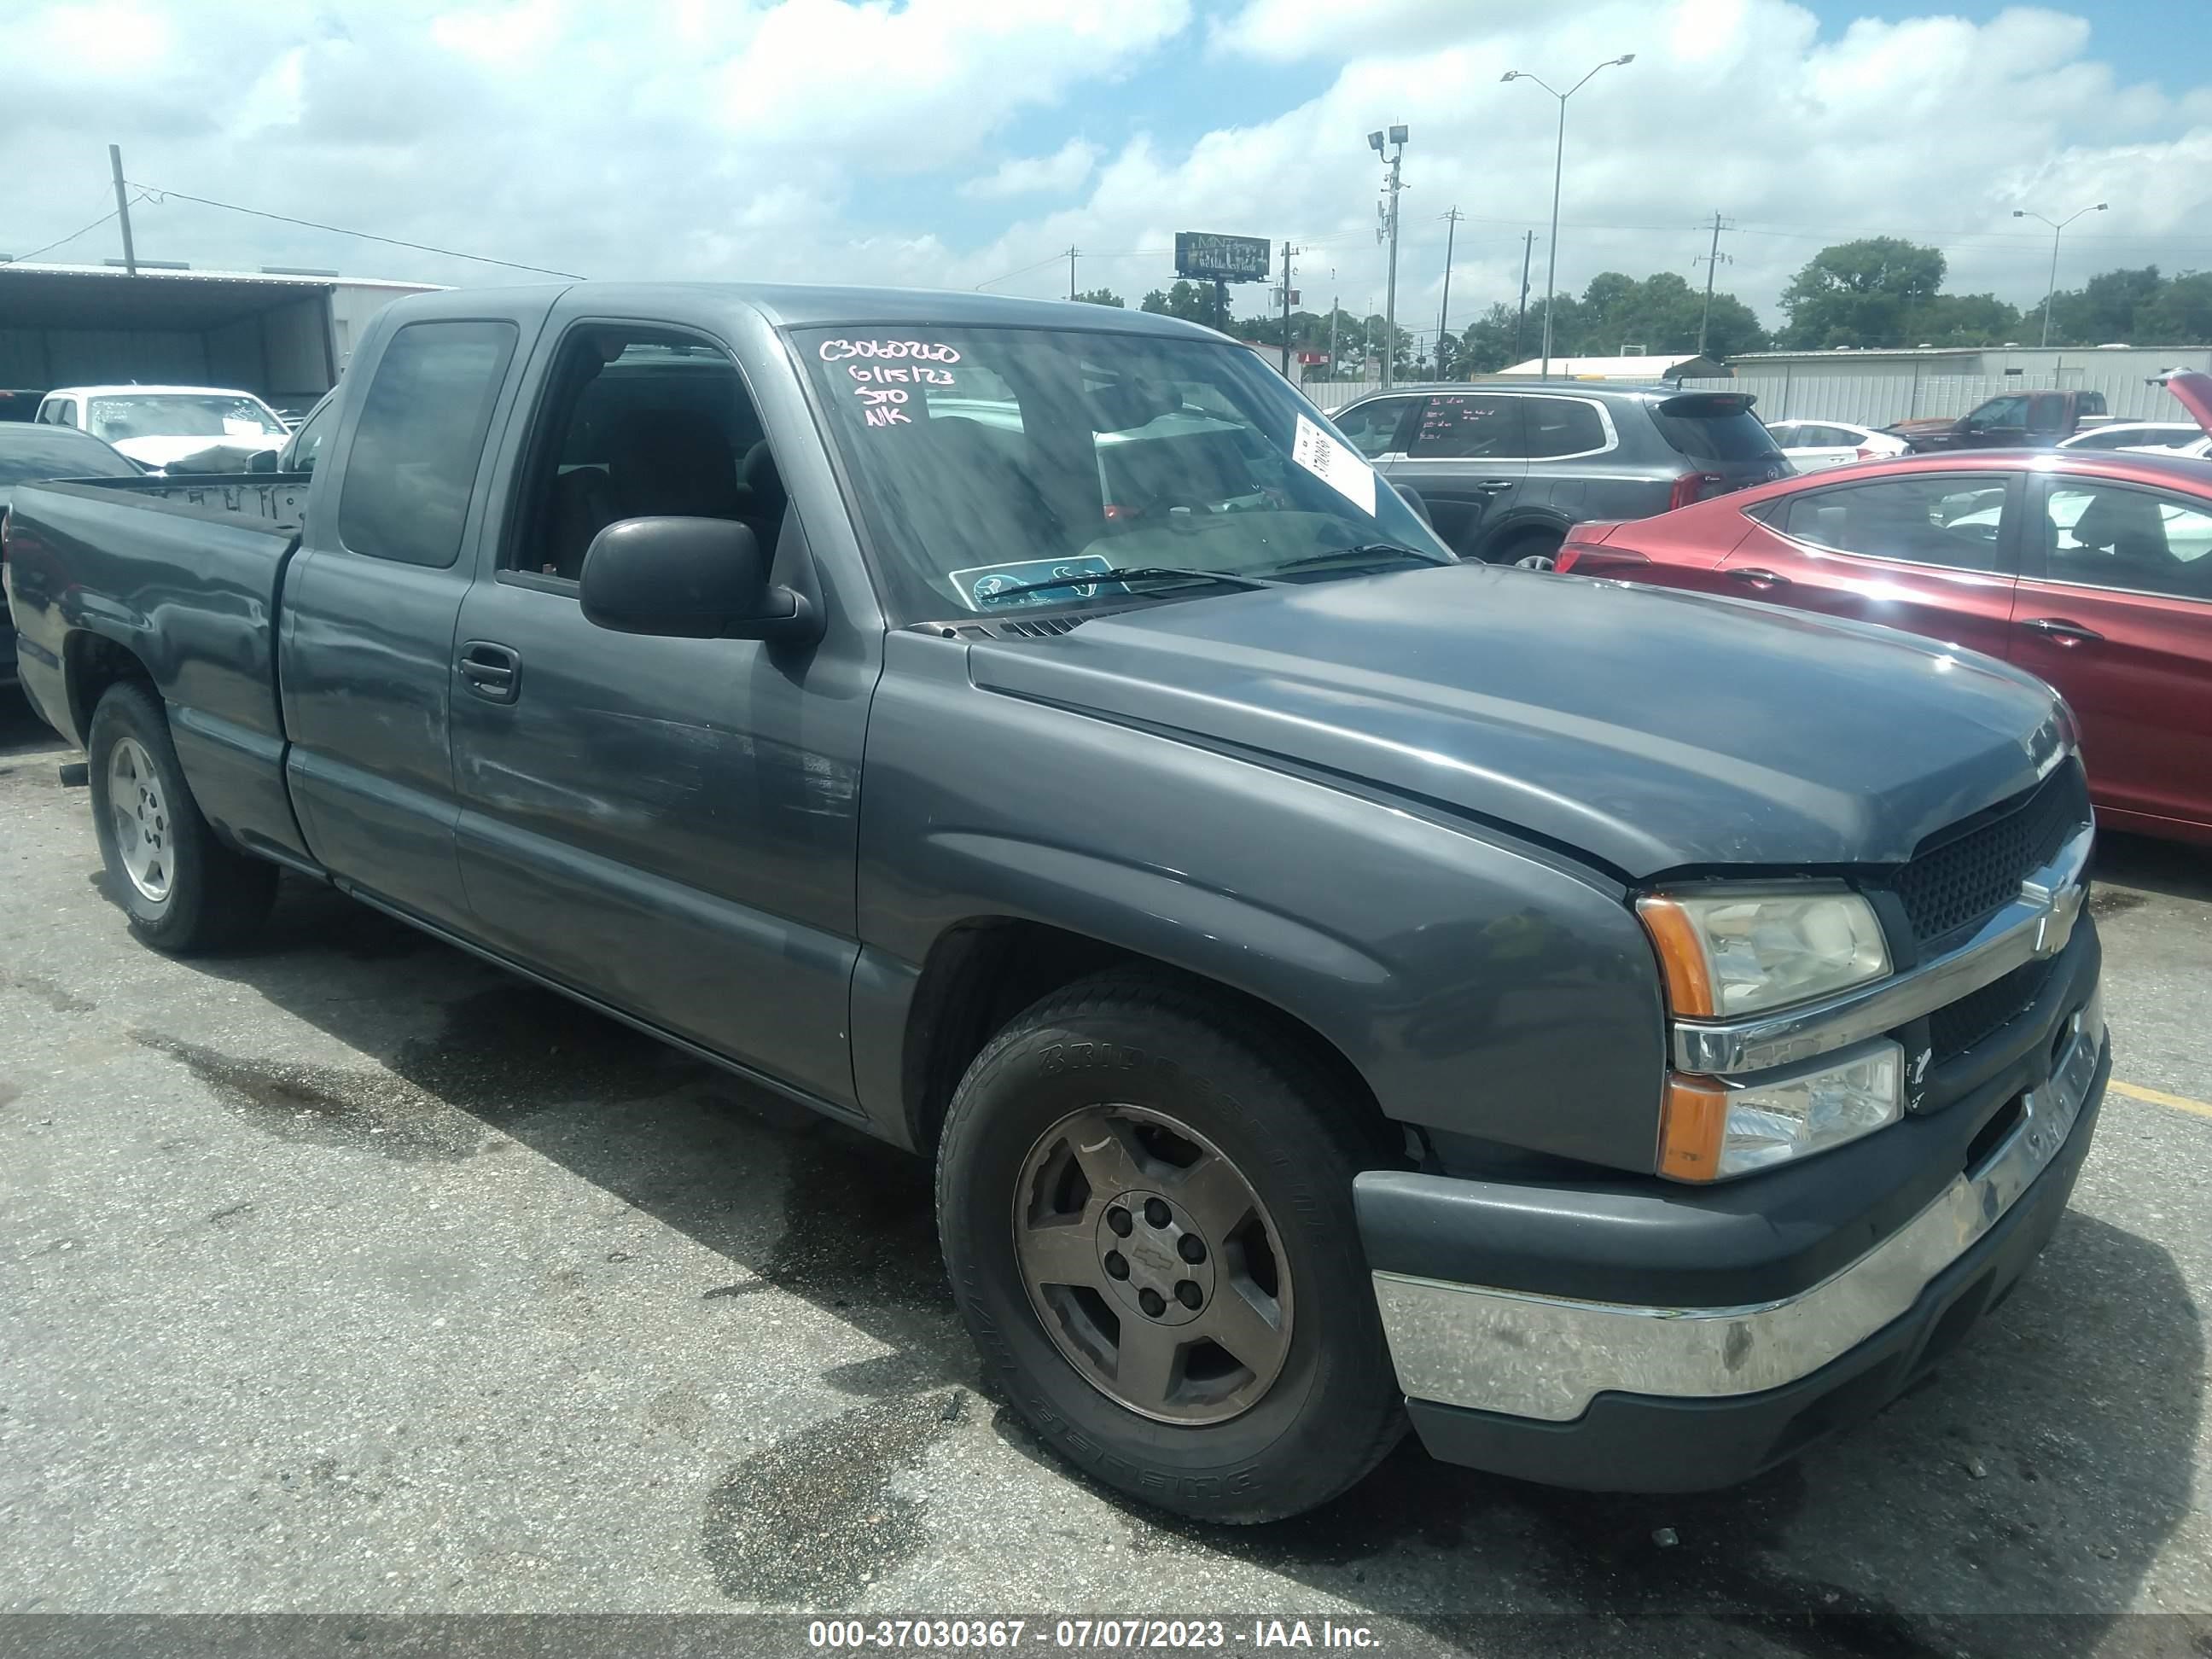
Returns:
(1981, 1014)
(1975, 869)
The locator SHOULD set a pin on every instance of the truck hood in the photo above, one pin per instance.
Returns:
(1644, 729)
(1925, 423)
(168, 452)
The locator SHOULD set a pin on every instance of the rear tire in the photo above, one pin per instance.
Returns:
(1535, 549)
(1136, 1110)
(184, 889)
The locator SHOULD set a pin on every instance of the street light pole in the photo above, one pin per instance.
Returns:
(1558, 160)
(2051, 290)
(1397, 135)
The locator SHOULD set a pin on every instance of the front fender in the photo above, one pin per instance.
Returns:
(1479, 984)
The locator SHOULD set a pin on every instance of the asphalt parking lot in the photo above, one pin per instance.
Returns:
(352, 1276)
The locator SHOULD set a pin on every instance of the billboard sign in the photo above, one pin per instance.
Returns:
(1214, 259)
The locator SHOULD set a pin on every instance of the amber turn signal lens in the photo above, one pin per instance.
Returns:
(1691, 1129)
(1675, 936)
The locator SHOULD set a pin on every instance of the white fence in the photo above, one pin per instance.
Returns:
(1880, 399)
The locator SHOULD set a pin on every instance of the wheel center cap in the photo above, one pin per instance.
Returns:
(1157, 1263)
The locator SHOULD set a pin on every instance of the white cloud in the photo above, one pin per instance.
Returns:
(720, 139)
(1062, 171)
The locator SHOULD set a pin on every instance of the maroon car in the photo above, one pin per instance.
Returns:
(2090, 569)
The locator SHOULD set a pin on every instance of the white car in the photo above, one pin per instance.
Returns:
(158, 426)
(2144, 437)
(1811, 445)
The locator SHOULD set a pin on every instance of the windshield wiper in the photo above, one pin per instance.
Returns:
(1135, 573)
(1365, 553)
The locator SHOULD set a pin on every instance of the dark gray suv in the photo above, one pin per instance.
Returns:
(1504, 469)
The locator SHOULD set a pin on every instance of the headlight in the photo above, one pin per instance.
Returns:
(1714, 1129)
(1728, 954)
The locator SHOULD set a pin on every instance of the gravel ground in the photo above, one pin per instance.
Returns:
(350, 1276)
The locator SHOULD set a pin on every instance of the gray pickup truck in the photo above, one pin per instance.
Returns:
(1624, 1035)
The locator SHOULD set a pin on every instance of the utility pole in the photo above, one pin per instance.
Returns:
(1527, 247)
(123, 209)
(1072, 251)
(1712, 264)
(1332, 336)
(1444, 310)
(1287, 251)
(1392, 184)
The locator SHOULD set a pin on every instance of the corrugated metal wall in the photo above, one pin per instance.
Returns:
(1880, 399)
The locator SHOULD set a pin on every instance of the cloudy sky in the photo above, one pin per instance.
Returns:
(962, 142)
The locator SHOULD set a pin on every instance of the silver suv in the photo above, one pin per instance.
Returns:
(1503, 469)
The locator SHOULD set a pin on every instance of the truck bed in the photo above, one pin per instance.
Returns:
(183, 573)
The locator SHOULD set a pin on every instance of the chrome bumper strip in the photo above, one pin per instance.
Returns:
(1548, 1358)
(2036, 924)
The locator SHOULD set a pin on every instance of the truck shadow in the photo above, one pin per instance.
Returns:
(2040, 1473)
(2173, 868)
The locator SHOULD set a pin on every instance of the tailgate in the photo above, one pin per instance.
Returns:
(1717, 432)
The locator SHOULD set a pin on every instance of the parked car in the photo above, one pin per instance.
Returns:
(29, 454)
(2090, 569)
(165, 426)
(1504, 470)
(1326, 974)
(2012, 421)
(2174, 437)
(1811, 445)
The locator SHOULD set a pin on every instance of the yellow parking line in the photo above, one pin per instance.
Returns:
(2160, 1097)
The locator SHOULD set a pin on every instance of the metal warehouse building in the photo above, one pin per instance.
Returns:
(1877, 386)
(283, 334)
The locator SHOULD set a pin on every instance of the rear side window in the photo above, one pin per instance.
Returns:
(1566, 426)
(1947, 520)
(1716, 428)
(1465, 426)
(413, 464)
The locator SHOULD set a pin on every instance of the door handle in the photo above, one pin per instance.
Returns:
(493, 673)
(2059, 631)
(1762, 579)
(1495, 484)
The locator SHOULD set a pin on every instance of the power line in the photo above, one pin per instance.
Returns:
(157, 195)
(1050, 259)
(21, 259)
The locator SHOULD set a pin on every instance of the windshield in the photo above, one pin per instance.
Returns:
(984, 458)
(180, 415)
(30, 453)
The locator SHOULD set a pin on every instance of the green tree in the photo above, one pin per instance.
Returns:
(2179, 314)
(1101, 296)
(1194, 303)
(1861, 293)
(1963, 319)
(1486, 345)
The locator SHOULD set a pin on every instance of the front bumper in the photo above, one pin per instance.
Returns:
(1617, 1395)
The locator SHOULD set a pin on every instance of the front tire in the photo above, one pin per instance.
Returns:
(1144, 1196)
(184, 889)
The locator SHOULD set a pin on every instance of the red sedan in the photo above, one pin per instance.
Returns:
(2091, 569)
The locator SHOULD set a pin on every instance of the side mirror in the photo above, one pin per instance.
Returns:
(263, 460)
(1412, 499)
(689, 579)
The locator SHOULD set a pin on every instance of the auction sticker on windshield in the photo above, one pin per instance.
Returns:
(1342, 468)
(981, 587)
